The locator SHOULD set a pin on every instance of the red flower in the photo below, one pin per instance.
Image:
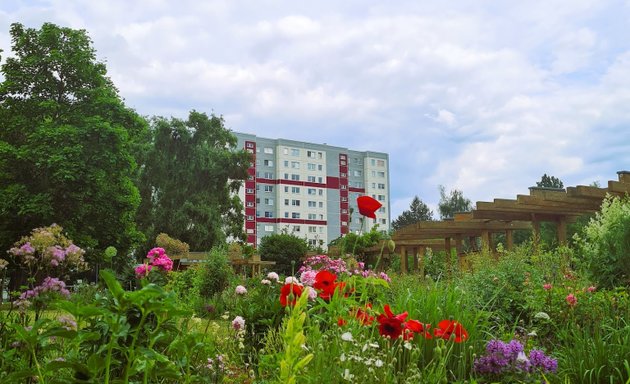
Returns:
(363, 316)
(367, 206)
(286, 291)
(411, 327)
(341, 322)
(391, 325)
(325, 284)
(447, 328)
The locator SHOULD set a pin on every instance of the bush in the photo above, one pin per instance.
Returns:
(283, 248)
(216, 273)
(605, 245)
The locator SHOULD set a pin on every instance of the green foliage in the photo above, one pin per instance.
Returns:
(66, 139)
(188, 181)
(604, 248)
(121, 336)
(215, 273)
(451, 203)
(284, 249)
(549, 182)
(355, 244)
(418, 211)
(173, 247)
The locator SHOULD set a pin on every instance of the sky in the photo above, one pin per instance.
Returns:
(480, 96)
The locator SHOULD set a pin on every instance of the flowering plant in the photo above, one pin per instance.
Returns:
(507, 362)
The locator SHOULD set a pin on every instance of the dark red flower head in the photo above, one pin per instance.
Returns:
(367, 206)
(448, 328)
(325, 283)
(286, 291)
(391, 325)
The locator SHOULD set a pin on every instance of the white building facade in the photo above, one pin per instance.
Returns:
(310, 189)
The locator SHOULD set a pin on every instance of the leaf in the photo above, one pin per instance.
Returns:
(112, 284)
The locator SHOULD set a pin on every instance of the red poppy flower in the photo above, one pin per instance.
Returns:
(325, 284)
(341, 322)
(367, 206)
(285, 294)
(391, 325)
(448, 328)
(413, 327)
(363, 316)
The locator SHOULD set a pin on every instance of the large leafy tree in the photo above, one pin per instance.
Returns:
(189, 181)
(452, 202)
(418, 211)
(66, 142)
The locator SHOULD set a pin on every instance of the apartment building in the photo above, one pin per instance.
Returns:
(310, 189)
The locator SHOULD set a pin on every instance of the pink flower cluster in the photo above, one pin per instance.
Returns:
(49, 285)
(337, 266)
(158, 259)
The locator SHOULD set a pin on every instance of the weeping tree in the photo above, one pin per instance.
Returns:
(189, 181)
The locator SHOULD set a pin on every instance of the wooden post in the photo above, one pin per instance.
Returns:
(473, 243)
(415, 258)
(421, 255)
(459, 250)
(403, 260)
(447, 249)
(536, 232)
(509, 239)
(562, 231)
(485, 240)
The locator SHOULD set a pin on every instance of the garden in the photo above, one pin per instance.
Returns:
(532, 315)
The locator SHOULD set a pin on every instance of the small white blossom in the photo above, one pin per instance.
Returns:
(346, 336)
(378, 363)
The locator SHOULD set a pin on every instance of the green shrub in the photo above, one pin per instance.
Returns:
(283, 248)
(216, 273)
(605, 244)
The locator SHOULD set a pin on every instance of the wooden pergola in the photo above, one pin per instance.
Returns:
(526, 212)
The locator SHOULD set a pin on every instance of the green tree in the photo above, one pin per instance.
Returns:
(452, 202)
(190, 179)
(418, 211)
(549, 182)
(283, 248)
(66, 144)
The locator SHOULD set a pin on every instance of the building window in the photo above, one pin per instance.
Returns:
(286, 215)
(295, 189)
(380, 163)
(319, 155)
(286, 163)
(342, 157)
(268, 214)
(311, 166)
(373, 162)
(312, 242)
(312, 216)
(295, 152)
(268, 188)
(381, 198)
(286, 201)
(258, 200)
(343, 162)
(295, 177)
(321, 204)
(249, 190)
(249, 204)
(286, 176)
(295, 164)
(358, 173)
(268, 175)
(295, 215)
(250, 217)
(311, 179)
(286, 189)
(321, 192)
(269, 201)
(257, 213)
(295, 203)
(268, 228)
(344, 199)
(269, 150)
(343, 174)
(383, 221)
(380, 174)
(312, 204)
(285, 151)
(312, 229)
(249, 145)
(381, 186)
(321, 216)
(250, 231)
(296, 228)
(311, 191)
(382, 210)
(320, 167)
(320, 180)
(268, 163)
(344, 187)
